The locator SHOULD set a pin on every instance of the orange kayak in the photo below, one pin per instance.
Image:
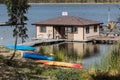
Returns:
(62, 64)
(41, 61)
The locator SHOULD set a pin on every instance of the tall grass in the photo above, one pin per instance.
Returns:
(59, 55)
(44, 50)
(111, 62)
(114, 60)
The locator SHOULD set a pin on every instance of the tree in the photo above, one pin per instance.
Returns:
(16, 12)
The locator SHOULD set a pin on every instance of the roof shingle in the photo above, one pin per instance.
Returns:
(67, 21)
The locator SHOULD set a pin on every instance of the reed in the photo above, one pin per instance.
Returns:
(110, 63)
(44, 50)
(59, 55)
(114, 60)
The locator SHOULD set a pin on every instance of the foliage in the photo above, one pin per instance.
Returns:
(50, 72)
(16, 12)
(105, 76)
(113, 60)
(44, 50)
(26, 69)
(59, 55)
(67, 74)
(109, 68)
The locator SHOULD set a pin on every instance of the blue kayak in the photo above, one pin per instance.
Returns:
(33, 55)
(21, 47)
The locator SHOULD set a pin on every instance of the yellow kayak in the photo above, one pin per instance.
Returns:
(62, 64)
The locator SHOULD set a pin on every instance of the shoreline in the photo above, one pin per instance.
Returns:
(71, 3)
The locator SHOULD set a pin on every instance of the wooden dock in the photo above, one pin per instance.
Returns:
(106, 39)
(98, 39)
(41, 41)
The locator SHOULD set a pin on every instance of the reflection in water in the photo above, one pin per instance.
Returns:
(90, 50)
(74, 51)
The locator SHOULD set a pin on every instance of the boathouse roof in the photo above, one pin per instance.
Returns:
(67, 21)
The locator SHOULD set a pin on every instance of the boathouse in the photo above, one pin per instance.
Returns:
(68, 27)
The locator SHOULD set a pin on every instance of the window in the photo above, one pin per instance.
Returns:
(75, 29)
(69, 29)
(95, 28)
(43, 29)
(87, 29)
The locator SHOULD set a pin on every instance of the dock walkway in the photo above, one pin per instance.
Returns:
(98, 39)
(106, 39)
(40, 41)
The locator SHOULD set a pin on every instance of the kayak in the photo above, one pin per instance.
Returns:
(41, 61)
(34, 55)
(62, 64)
(21, 47)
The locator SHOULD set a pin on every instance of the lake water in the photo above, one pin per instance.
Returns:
(36, 13)
(90, 54)
(41, 12)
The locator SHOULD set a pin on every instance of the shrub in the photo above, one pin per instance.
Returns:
(67, 74)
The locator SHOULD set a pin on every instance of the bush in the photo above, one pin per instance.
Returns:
(67, 74)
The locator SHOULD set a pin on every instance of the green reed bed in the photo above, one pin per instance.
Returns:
(109, 67)
(113, 60)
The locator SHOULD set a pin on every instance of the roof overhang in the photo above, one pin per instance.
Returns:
(67, 21)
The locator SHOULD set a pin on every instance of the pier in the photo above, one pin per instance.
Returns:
(106, 39)
(98, 39)
(42, 41)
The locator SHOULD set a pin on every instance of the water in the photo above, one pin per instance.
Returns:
(41, 12)
(73, 52)
(36, 13)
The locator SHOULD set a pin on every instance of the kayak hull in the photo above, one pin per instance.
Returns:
(33, 55)
(61, 64)
(21, 47)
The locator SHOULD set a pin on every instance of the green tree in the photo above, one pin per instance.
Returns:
(16, 12)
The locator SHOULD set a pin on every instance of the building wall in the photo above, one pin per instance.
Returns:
(79, 35)
(47, 34)
(91, 34)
